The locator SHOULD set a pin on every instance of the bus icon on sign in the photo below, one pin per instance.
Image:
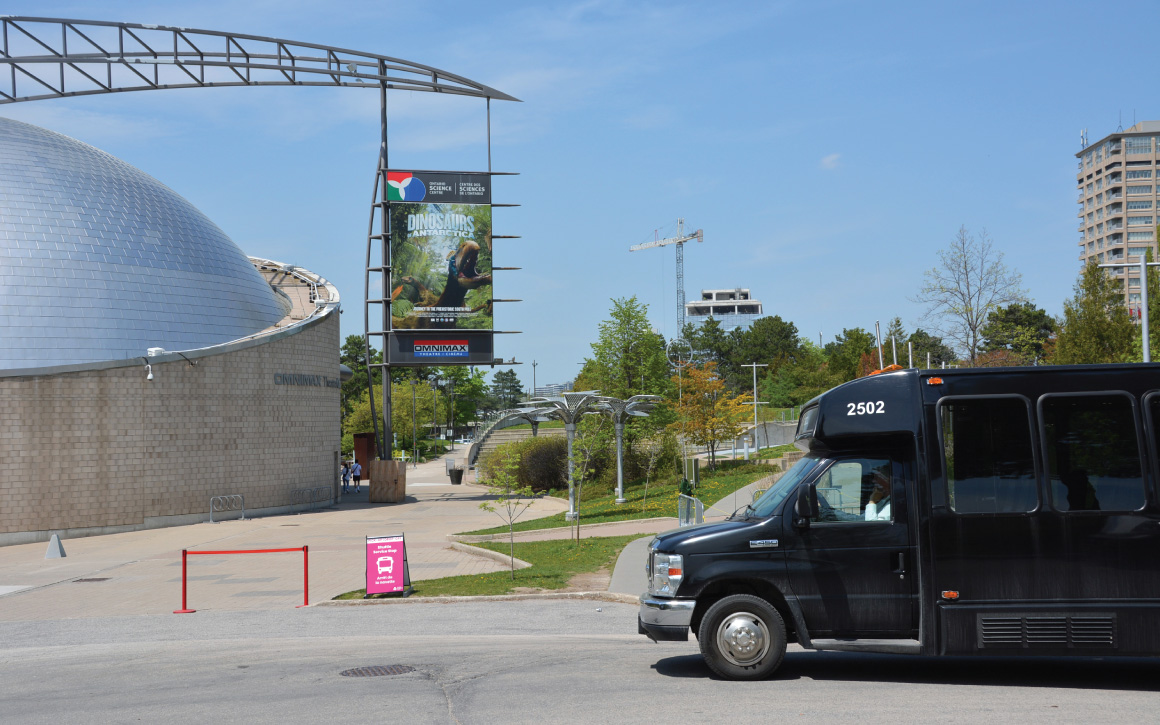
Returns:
(386, 564)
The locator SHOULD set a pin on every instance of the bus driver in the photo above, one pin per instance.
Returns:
(878, 507)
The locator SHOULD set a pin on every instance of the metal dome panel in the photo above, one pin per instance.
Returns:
(100, 261)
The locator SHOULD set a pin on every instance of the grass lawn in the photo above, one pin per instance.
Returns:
(553, 564)
(662, 498)
(775, 451)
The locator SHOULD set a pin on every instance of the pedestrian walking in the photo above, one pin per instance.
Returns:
(346, 477)
(356, 471)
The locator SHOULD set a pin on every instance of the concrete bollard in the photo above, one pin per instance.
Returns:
(55, 549)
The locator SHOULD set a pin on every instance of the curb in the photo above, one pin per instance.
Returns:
(489, 554)
(476, 538)
(588, 596)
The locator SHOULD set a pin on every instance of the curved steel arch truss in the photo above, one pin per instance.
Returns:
(44, 58)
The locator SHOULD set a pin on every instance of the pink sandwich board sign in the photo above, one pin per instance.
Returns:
(387, 568)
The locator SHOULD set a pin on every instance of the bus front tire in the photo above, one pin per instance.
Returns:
(742, 637)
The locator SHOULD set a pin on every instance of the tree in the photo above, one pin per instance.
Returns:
(770, 340)
(970, 282)
(711, 341)
(796, 382)
(1020, 330)
(512, 500)
(628, 357)
(506, 388)
(894, 340)
(923, 343)
(402, 422)
(470, 393)
(1096, 327)
(353, 355)
(707, 413)
(846, 351)
(590, 444)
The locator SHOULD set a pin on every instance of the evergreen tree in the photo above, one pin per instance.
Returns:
(506, 388)
(1021, 330)
(894, 339)
(1096, 327)
(924, 343)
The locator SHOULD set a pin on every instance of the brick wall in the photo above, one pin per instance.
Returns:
(105, 450)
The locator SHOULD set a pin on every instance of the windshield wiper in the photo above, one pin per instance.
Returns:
(746, 508)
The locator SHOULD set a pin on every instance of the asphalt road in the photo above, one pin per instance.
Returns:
(530, 661)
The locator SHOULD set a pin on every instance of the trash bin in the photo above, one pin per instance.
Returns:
(456, 476)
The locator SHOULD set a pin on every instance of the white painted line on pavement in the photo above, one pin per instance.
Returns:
(8, 589)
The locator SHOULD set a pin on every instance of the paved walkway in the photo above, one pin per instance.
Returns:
(140, 572)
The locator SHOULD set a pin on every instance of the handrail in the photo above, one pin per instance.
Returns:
(690, 510)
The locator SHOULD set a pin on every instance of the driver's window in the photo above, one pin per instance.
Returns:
(855, 489)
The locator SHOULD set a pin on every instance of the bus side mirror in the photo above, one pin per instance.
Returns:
(806, 506)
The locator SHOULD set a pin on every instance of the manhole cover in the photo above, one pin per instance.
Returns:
(378, 671)
(93, 579)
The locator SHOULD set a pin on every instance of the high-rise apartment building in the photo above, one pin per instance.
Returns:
(1118, 185)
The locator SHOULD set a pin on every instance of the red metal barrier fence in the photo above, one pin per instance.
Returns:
(185, 553)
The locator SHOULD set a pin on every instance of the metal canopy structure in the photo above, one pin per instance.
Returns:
(42, 58)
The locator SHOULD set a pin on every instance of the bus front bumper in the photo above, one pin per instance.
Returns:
(665, 619)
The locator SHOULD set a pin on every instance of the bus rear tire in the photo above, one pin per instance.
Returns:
(742, 637)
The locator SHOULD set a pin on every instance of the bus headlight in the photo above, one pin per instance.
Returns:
(667, 571)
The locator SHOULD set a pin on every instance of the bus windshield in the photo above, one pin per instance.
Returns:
(771, 499)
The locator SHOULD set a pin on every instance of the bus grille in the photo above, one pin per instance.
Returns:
(1038, 630)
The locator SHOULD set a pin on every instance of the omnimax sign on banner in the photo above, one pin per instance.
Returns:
(441, 267)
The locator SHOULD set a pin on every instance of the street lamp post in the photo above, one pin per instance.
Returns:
(534, 364)
(1143, 264)
(568, 408)
(414, 427)
(451, 415)
(434, 410)
(620, 411)
(755, 403)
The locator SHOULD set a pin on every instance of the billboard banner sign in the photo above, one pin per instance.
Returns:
(387, 568)
(448, 347)
(439, 186)
(441, 266)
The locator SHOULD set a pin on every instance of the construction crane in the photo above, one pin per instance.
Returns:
(678, 240)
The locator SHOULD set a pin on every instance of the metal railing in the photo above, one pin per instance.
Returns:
(231, 502)
(689, 511)
(309, 496)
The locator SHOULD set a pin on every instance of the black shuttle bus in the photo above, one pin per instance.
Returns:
(1003, 511)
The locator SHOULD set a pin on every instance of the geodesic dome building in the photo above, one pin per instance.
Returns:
(145, 360)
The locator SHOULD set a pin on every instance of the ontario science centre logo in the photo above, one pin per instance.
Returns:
(405, 186)
(441, 348)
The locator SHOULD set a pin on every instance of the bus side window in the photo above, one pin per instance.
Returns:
(988, 455)
(1092, 452)
(856, 490)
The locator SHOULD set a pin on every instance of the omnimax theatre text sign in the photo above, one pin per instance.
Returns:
(441, 268)
(312, 381)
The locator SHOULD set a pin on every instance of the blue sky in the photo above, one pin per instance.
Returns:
(828, 149)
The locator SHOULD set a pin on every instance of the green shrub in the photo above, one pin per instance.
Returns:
(543, 462)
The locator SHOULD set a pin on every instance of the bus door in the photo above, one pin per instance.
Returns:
(853, 568)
